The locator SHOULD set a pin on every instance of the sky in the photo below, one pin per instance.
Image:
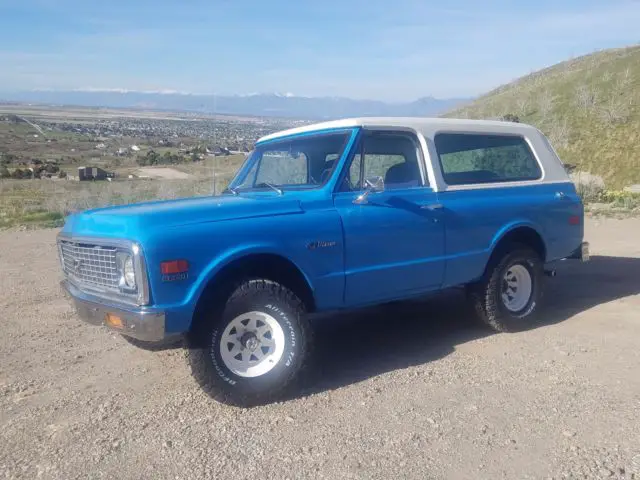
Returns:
(392, 50)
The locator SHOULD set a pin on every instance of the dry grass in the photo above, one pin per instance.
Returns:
(589, 107)
(46, 203)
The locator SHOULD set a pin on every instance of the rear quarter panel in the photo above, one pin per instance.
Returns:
(478, 216)
(477, 219)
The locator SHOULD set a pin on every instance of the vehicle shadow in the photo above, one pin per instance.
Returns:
(360, 345)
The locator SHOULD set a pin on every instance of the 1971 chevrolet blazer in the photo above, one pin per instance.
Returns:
(336, 215)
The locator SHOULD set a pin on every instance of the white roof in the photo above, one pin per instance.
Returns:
(424, 125)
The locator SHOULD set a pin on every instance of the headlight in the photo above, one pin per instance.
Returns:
(126, 270)
(129, 273)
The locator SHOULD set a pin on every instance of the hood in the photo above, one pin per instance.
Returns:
(133, 221)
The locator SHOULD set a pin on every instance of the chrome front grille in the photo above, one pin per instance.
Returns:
(90, 265)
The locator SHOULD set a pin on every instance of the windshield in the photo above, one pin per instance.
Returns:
(301, 162)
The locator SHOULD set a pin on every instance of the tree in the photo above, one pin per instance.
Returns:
(167, 158)
(51, 168)
(153, 158)
(7, 158)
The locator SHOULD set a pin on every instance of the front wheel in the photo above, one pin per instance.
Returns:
(255, 350)
(508, 298)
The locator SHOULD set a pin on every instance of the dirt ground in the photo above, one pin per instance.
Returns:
(407, 391)
(162, 173)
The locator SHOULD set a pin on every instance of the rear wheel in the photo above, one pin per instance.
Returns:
(508, 297)
(256, 348)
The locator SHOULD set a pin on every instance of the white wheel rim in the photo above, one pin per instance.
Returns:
(252, 344)
(516, 288)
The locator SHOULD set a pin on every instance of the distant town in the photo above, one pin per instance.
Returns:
(46, 142)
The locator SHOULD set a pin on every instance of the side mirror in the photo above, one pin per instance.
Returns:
(372, 185)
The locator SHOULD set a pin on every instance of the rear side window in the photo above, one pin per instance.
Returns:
(479, 158)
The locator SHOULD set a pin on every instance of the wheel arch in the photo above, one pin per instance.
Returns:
(268, 265)
(521, 233)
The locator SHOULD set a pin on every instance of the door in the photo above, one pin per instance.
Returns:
(394, 238)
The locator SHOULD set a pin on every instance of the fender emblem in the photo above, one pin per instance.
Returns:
(175, 277)
(320, 244)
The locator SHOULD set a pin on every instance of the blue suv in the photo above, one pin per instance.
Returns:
(325, 217)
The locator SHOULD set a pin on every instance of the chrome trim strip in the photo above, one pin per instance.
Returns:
(142, 277)
(487, 186)
(102, 241)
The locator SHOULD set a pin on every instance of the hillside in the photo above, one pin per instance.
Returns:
(588, 106)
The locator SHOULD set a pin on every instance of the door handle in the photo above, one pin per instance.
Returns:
(431, 206)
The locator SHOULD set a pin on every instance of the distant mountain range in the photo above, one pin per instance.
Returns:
(263, 104)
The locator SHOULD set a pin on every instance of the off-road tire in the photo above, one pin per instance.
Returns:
(217, 379)
(486, 295)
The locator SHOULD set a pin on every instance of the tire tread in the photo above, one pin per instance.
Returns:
(201, 366)
(483, 294)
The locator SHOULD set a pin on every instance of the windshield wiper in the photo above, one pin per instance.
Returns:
(270, 185)
(230, 190)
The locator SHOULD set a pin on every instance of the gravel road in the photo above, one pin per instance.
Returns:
(408, 391)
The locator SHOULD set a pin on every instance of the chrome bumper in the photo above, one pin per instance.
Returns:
(136, 322)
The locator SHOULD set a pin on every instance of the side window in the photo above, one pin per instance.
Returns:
(478, 158)
(328, 166)
(283, 168)
(394, 157)
(354, 172)
(249, 180)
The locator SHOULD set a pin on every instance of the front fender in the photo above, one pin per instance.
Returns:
(231, 255)
(186, 296)
(210, 247)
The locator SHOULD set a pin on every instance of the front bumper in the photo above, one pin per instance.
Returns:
(134, 321)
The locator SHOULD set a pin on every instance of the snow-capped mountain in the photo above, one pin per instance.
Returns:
(255, 104)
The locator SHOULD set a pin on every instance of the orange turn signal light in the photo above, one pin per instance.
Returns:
(174, 266)
(113, 321)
